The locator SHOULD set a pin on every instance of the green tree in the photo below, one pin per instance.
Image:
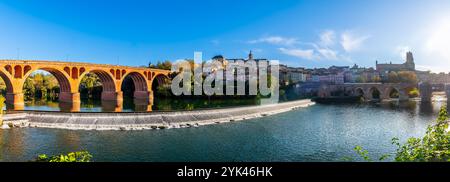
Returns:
(393, 77)
(29, 88)
(433, 147)
(376, 79)
(165, 65)
(2, 86)
(52, 86)
(360, 79)
(89, 82)
(407, 77)
(41, 86)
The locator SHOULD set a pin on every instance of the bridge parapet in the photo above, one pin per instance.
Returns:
(369, 91)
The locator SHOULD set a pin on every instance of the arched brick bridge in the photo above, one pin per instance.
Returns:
(69, 75)
(368, 91)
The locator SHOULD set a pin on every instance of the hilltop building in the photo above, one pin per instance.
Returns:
(409, 65)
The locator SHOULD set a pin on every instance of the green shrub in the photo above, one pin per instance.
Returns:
(433, 147)
(81, 156)
(414, 93)
(2, 104)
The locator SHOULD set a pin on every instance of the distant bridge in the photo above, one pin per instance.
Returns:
(427, 89)
(69, 75)
(375, 91)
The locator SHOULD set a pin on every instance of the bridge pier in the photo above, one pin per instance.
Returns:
(112, 106)
(447, 93)
(151, 97)
(447, 90)
(70, 106)
(143, 105)
(142, 94)
(112, 96)
(426, 91)
(403, 95)
(16, 100)
(368, 96)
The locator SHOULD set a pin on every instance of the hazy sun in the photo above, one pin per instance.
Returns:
(438, 42)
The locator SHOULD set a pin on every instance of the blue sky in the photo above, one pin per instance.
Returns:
(298, 33)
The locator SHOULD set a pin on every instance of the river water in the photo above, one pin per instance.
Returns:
(131, 105)
(316, 133)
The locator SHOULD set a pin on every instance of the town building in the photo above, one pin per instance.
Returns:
(385, 69)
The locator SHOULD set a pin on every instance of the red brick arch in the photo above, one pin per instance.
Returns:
(61, 77)
(106, 79)
(139, 81)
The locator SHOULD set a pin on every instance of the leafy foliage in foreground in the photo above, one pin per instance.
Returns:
(2, 104)
(81, 156)
(433, 147)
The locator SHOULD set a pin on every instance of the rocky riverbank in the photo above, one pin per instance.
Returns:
(144, 121)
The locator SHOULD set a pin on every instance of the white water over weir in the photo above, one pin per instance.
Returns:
(144, 121)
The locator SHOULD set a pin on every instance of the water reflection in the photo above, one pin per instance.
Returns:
(134, 105)
(69, 107)
(412, 107)
(12, 143)
(426, 108)
(170, 104)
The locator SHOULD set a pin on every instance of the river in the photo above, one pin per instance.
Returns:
(317, 133)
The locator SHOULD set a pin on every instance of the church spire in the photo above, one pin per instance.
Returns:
(250, 55)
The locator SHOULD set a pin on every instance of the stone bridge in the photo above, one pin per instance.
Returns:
(69, 75)
(426, 91)
(369, 91)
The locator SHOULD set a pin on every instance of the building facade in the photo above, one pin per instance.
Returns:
(409, 65)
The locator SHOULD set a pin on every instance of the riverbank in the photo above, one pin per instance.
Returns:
(145, 121)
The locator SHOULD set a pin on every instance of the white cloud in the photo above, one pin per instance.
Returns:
(277, 40)
(327, 47)
(327, 38)
(300, 53)
(351, 42)
(328, 54)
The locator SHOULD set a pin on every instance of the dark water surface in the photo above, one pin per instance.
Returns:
(132, 105)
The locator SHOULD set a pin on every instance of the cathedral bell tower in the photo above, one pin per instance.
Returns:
(410, 61)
